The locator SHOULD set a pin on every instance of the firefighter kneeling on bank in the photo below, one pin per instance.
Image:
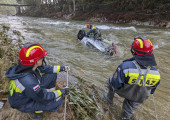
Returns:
(33, 83)
(136, 78)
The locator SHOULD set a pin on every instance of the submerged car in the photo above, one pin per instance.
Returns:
(100, 44)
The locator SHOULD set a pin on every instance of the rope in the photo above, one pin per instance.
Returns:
(66, 98)
(156, 117)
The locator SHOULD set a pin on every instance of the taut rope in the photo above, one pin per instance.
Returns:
(156, 117)
(66, 98)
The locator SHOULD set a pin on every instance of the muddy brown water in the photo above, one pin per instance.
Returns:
(58, 37)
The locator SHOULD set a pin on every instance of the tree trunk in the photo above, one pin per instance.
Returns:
(74, 7)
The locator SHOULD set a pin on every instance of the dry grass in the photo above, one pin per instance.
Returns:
(8, 54)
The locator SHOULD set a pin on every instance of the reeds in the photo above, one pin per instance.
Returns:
(86, 102)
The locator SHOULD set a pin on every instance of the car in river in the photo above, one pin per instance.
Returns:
(101, 44)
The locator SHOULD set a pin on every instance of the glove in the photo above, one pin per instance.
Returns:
(67, 68)
(66, 90)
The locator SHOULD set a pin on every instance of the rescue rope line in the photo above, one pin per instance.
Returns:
(66, 98)
(156, 117)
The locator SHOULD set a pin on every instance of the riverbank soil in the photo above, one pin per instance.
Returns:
(7, 113)
(107, 14)
(145, 17)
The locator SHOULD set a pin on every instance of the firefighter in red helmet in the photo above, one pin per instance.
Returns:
(31, 53)
(136, 78)
(94, 32)
(33, 83)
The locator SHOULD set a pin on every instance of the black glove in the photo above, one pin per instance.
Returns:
(66, 90)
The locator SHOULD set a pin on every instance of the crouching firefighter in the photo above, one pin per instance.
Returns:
(33, 83)
(136, 78)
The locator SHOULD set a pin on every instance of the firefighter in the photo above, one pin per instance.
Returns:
(94, 32)
(32, 82)
(135, 78)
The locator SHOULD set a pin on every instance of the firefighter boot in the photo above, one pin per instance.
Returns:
(36, 115)
(109, 96)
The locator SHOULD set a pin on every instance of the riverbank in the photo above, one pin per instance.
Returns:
(143, 17)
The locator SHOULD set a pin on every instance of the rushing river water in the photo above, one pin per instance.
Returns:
(59, 39)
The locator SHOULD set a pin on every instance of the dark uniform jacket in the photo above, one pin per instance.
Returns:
(124, 78)
(94, 31)
(26, 87)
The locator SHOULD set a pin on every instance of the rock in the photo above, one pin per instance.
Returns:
(162, 24)
(59, 14)
(168, 25)
(67, 16)
(1, 104)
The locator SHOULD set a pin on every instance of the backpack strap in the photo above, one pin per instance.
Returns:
(140, 73)
(144, 77)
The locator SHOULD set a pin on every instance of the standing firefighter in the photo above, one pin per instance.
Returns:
(136, 78)
(94, 32)
(32, 82)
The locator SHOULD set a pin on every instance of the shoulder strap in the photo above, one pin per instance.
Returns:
(144, 77)
(140, 73)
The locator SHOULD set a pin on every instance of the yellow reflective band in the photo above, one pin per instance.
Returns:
(141, 42)
(40, 73)
(59, 93)
(51, 90)
(58, 69)
(13, 87)
(38, 111)
(150, 42)
(29, 50)
(151, 79)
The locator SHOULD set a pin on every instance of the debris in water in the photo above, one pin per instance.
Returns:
(1, 104)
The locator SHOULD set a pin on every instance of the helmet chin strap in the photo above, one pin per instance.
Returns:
(44, 61)
(133, 53)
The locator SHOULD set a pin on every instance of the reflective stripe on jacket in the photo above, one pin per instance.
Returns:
(16, 86)
(140, 83)
(152, 78)
(127, 73)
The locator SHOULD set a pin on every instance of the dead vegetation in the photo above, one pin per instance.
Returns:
(8, 53)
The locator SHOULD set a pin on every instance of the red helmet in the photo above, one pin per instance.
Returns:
(30, 53)
(88, 25)
(142, 46)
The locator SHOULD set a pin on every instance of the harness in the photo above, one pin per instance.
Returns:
(141, 74)
(136, 92)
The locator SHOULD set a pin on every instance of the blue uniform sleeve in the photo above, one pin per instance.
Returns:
(36, 93)
(118, 78)
(90, 31)
(51, 69)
